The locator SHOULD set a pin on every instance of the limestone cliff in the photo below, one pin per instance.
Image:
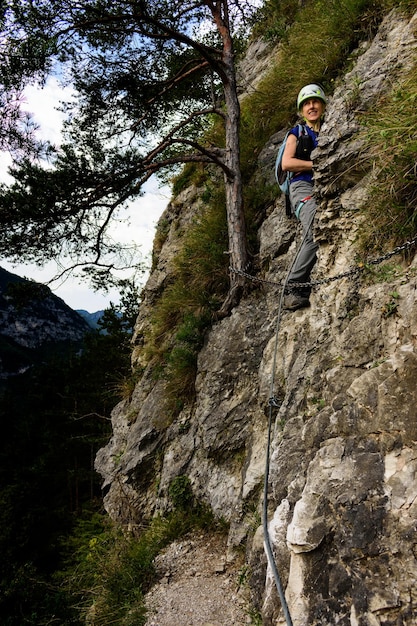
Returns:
(342, 484)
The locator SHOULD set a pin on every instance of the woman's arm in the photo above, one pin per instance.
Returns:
(289, 162)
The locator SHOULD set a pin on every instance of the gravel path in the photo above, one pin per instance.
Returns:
(197, 587)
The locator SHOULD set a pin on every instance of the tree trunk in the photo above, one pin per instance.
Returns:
(238, 254)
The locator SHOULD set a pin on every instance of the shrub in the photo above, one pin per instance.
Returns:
(181, 493)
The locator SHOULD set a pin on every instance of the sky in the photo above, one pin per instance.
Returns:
(138, 223)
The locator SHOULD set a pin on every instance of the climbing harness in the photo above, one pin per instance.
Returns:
(300, 206)
(273, 402)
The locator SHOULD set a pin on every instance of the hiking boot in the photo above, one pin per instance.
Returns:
(294, 301)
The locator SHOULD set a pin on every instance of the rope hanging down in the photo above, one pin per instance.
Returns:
(351, 272)
(272, 404)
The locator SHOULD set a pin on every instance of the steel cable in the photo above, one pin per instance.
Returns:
(272, 404)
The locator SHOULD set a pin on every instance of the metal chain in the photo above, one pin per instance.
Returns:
(352, 272)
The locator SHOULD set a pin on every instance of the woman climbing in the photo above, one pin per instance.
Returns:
(302, 140)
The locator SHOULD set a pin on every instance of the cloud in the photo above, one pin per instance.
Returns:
(136, 224)
(45, 104)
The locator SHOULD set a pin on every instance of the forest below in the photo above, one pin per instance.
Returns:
(54, 418)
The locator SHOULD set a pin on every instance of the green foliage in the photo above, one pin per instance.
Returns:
(389, 132)
(119, 321)
(256, 617)
(181, 360)
(46, 477)
(107, 572)
(180, 493)
(201, 262)
(391, 307)
(383, 273)
(275, 17)
(191, 173)
(185, 308)
(56, 428)
(161, 234)
(148, 84)
(316, 41)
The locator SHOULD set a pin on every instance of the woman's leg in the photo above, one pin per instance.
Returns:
(304, 206)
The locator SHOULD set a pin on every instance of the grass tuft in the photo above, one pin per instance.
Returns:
(390, 133)
(185, 308)
(108, 572)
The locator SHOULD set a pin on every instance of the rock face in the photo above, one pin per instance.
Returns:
(342, 493)
(31, 317)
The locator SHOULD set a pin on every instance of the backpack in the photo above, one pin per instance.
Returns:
(304, 148)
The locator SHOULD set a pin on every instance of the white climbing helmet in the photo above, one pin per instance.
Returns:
(310, 91)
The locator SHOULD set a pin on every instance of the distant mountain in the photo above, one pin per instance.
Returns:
(33, 322)
(91, 318)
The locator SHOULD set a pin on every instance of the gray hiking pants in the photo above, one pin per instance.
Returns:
(305, 212)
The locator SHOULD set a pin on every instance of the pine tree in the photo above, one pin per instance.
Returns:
(149, 78)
